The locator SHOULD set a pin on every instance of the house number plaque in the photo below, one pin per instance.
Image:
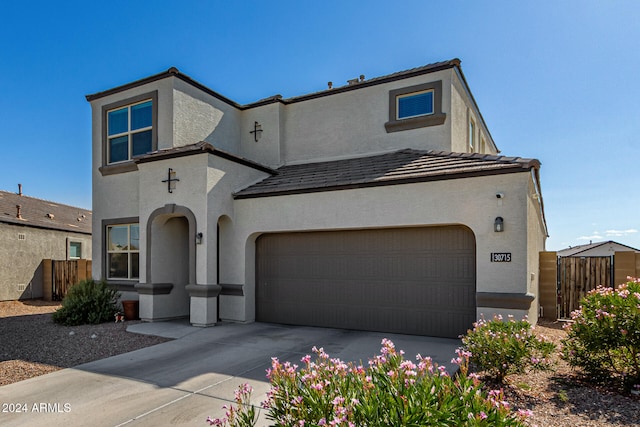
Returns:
(500, 256)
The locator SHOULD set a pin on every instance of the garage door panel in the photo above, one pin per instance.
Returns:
(413, 280)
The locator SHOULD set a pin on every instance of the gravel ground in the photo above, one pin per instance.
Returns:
(561, 398)
(31, 345)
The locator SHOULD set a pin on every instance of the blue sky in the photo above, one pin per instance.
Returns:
(554, 80)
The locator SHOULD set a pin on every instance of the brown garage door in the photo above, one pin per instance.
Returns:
(407, 280)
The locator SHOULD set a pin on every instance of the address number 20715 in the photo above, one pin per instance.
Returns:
(501, 257)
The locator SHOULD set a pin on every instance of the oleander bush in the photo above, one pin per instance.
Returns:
(603, 338)
(502, 347)
(88, 302)
(390, 391)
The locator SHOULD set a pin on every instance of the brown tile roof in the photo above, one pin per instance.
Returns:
(199, 148)
(43, 214)
(399, 167)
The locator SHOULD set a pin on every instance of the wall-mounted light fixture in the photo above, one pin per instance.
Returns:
(199, 239)
(498, 225)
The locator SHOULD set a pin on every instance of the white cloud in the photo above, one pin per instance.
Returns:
(595, 236)
(619, 233)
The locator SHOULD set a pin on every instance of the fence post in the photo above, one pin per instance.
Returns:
(549, 285)
(624, 266)
(47, 284)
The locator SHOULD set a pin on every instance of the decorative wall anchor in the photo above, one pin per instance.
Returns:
(257, 131)
(171, 180)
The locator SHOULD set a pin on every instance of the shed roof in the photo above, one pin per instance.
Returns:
(398, 167)
(43, 213)
(580, 249)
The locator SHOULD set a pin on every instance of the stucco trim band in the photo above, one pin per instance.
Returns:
(515, 301)
(234, 290)
(154, 288)
(203, 291)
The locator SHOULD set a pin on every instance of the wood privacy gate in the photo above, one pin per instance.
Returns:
(579, 275)
(59, 276)
(565, 280)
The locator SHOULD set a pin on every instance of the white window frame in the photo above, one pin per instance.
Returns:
(472, 135)
(72, 243)
(399, 97)
(127, 251)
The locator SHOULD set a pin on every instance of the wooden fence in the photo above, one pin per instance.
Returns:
(579, 275)
(565, 280)
(59, 276)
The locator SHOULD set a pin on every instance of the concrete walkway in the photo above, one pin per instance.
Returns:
(183, 381)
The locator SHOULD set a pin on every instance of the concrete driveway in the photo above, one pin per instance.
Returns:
(183, 381)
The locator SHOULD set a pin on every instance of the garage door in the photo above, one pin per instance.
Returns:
(407, 280)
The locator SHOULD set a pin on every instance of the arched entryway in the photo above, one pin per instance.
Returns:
(170, 263)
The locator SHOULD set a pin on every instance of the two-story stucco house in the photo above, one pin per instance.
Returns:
(379, 205)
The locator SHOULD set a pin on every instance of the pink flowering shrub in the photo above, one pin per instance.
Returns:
(389, 391)
(500, 348)
(604, 337)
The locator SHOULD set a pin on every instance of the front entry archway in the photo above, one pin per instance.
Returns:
(170, 264)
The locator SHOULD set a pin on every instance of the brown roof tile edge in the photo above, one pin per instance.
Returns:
(200, 148)
(174, 72)
(513, 165)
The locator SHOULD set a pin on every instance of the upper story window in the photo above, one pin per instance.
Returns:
(472, 135)
(129, 130)
(415, 107)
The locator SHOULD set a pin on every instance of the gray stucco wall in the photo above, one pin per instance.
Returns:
(21, 259)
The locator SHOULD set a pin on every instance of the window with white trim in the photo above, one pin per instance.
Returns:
(414, 105)
(472, 135)
(123, 251)
(129, 131)
(75, 250)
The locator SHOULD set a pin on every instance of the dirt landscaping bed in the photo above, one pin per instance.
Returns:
(32, 345)
(562, 398)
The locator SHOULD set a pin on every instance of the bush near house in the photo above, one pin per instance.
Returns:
(604, 337)
(391, 391)
(88, 302)
(500, 348)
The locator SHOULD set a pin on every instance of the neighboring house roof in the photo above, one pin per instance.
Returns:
(607, 247)
(43, 213)
(399, 167)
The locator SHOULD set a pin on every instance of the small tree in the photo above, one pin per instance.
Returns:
(604, 337)
(87, 302)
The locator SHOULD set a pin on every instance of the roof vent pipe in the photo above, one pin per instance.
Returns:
(19, 189)
(19, 212)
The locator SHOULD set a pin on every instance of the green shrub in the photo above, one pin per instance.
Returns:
(604, 337)
(501, 347)
(87, 302)
(391, 391)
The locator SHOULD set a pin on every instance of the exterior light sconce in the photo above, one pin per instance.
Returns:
(199, 239)
(498, 225)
